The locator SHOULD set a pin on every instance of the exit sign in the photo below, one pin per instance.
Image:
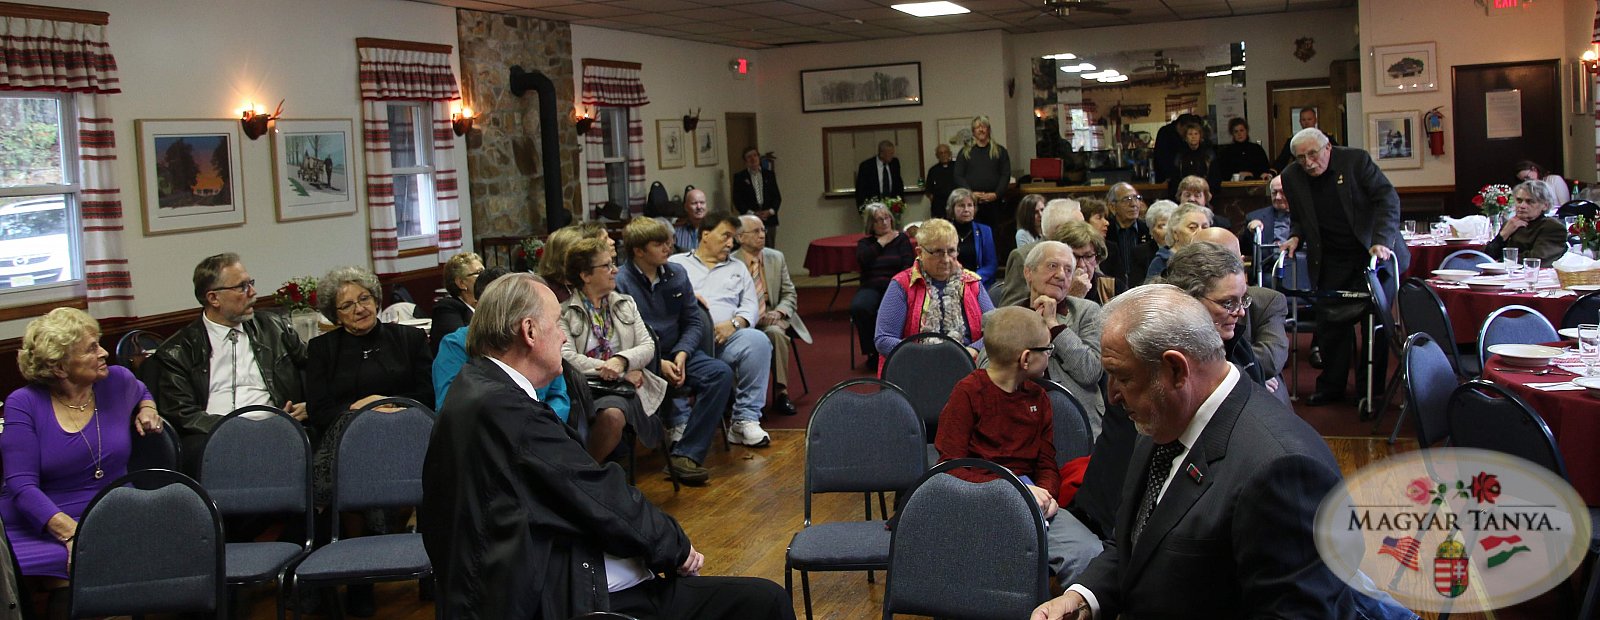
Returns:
(1502, 6)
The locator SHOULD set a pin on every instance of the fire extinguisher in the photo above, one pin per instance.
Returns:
(1434, 122)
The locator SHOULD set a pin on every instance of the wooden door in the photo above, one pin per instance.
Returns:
(1481, 160)
(741, 134)
(1287, 98)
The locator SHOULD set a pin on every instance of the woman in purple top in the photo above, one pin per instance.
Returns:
(67, 435)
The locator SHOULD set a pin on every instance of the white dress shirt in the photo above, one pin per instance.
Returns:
(235, 377)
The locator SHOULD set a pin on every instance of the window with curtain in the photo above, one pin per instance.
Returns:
(411, 177)
(61, 217)
(614, 147)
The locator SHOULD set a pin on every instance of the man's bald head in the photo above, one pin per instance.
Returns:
(1220, 236)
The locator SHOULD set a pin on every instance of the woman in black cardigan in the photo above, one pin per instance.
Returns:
(455, 309)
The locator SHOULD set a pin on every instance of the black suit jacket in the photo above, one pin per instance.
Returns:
(870, 184)
(1366, 196)
(744, 194)
(515, 515)
(1233, 538)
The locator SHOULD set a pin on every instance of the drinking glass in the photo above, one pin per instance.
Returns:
(1411, 228)
(1589, 347)
(1440, 229)
(1530, 272)
(1511, 257)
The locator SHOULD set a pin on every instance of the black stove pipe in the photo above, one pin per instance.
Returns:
(549, 139)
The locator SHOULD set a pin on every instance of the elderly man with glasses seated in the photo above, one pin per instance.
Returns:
(228, 358)
(1127, 232)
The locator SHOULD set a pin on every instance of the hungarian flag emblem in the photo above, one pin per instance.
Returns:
(1450, 568)
(1507, 546)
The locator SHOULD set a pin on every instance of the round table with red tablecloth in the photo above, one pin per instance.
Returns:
(1468, 308)
(1574, 419)
(1426, 256)
(834, 256)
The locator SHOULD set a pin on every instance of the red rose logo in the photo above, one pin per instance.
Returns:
(1418, 490)
(1485, 487)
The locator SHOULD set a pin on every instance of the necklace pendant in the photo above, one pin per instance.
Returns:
(99, 473)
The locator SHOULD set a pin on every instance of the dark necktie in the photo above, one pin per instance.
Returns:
(884, 188)
(1160, 467)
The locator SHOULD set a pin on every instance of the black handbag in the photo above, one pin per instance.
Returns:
(622, 389)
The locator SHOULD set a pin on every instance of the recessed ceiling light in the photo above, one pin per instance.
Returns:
(931, 9)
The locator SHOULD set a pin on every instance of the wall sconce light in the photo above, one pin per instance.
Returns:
(691, 121)
(583, 122)
(461, 121)
(255, 123)
(1591, 58)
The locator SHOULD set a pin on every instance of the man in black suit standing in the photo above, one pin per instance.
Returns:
(755, 192)
(1345, 211)
(520, 522)
(1217, 455)
(879, 177)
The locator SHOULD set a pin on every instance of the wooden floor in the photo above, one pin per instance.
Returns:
(743, 519)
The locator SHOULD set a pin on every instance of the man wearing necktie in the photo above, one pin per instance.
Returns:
(1224, 483)
(779, 310)
(879, 177)
(755, 192)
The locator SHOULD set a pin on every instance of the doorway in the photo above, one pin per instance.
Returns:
(1288, 98)
(741, 134)
(1479, 159)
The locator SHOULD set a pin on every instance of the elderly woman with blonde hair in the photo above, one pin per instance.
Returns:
(553, 265)
(934, 295)
(455, 309)
(68, 433)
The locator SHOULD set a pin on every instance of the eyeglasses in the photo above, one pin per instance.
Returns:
(1046, 349)
(241, 287)
(1086, 257)
(1304, 157)
(475, 274)
(611, 266)
(349, 306)
(1131, 198)
(753, 231)
(1232, 305)
(945, 253)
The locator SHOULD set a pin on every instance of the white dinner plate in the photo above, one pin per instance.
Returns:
(1492, 268)
(1526, 355)
(1589, 384)
(1570, 333)
(1453, 275)
(1584, 288)
(1485, 284)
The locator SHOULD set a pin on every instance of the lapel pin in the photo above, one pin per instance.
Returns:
(1341, 179)
(1194, 474)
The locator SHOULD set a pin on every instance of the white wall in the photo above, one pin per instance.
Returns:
(1269, 52)
(1534, 32)
(679, 76)
(962, 76)
(1579, 19)
(187, 59)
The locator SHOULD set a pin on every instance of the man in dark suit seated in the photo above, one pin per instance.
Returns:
(879, 177)
(520, 522)
(755, 191)
(1216, 456)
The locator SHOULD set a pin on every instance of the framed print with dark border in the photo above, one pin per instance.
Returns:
(671, 145)
(312, 173)
(1392, 139)
(868, 86)
(706, 144)
(1410, 68)
(189, 175)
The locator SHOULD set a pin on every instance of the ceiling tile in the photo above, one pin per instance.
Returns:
(546, 15)
(707, 14)
(493, 7)
(533, 4)
(592, 10)
(654, 6)
(652, 19)
(699, 27)
(835, 5)
(773, 9)
(756, 23)
(875, 13)
(813, 18)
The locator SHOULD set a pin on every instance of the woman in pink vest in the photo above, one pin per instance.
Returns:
(934, 295)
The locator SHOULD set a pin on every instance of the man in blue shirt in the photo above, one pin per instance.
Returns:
(729, 293)
(666, 300)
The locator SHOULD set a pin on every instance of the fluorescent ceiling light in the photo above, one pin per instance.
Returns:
(1220, 73)
(1114, 78)
(1078, 68)
(1238, 67)
(931, 9)
(1100, 74)
(1061, 56)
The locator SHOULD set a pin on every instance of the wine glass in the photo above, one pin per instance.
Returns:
(1410, 228)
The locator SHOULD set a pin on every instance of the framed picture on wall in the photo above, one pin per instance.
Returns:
(870, 86)
(955, 133)
(705, 144)
(1392, 139)
(1409, 68)
(312, 175)
(671, 145)
(189, 175)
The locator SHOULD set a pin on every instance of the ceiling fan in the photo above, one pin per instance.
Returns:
(1062, 8)
(1160, 63)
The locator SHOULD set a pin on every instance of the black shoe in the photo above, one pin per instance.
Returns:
(358, 601)
(1316, 358)
(781, 405)
(1318, 399)
(872, 362)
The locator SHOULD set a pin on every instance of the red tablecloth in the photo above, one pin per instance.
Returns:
(1469, 308)
(833, 255)
(1574, 419)
(1425, 257)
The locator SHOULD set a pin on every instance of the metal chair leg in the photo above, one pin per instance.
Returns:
(794, 348)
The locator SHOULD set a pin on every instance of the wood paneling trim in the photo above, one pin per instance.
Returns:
(1425, 189)
(422, 251)
(414, 46)
(31, 11)
(615, 64)
(32, 310)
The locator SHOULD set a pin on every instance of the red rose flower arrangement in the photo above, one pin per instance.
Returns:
(1493, 199)
(297, 295)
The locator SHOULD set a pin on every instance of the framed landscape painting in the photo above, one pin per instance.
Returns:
(312, 169)
(189, 175)
(850, 88)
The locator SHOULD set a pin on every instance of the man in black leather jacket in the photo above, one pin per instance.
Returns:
(265, 357)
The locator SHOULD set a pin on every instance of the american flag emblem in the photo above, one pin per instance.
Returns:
(1403, 550)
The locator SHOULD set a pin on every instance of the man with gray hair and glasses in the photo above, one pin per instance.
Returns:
(1216, 455)
(520, 522)
(227, 358)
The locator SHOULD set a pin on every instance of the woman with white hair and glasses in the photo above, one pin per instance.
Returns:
(1529, 229)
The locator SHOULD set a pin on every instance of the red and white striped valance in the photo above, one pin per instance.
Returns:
(390, 73)
(57, 56)
(609, 84)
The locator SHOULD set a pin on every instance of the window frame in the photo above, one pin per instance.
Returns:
(614, 134)
(421, 113)
(71, 192)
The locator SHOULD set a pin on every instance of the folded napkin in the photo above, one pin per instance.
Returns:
(1470, 226)
(1559, 386)
(1575, 262)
